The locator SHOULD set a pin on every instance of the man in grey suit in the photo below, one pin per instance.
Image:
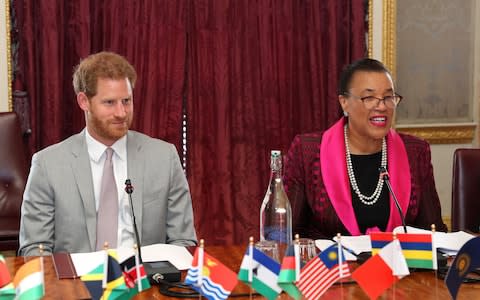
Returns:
(63, 196)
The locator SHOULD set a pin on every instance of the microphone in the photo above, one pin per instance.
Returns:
(384, 174)
(157, 271)
(129, 190)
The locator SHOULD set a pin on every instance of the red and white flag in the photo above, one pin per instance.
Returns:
(381, 271)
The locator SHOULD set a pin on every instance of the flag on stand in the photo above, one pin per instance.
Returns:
(4, 274)
(210, 277)
(113, 281)
(466, 260)
(322, 272)
(288, 272)
(261, 272)
(380, 271)
(93, 281)
(7, 292)
(28, 280)
(132, 271)
(417, 248)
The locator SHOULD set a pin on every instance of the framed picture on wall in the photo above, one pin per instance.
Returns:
(430, 47)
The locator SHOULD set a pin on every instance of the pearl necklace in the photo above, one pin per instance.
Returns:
(367, 200)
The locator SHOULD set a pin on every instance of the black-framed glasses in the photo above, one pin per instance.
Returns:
(371, 102)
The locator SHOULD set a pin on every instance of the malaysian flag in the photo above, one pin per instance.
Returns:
(322, 272)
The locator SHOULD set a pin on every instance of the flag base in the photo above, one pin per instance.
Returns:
(158, 271)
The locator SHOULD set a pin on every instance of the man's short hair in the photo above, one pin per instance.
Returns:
(107, 65)
(365, 65)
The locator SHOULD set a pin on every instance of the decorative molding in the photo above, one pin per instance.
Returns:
(389, 24)
(442, 134)
(9, 55)
(370, 29)
(448, 221)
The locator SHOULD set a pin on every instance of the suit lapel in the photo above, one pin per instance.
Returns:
(82, 172)
(135, 170)
(335, 178)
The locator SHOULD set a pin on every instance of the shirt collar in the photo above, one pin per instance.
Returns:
(96, 149)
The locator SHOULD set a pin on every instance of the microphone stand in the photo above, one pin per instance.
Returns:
(129, 190)
(386, 178)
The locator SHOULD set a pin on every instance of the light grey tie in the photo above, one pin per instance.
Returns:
(107, 215)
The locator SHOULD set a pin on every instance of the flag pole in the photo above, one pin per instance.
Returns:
(340, 261)
(200, 263)
(393, 258)
(40, 249)
(250, 265)
(137, 268)
(105, 266)
(296, 252)
(434, 258)
(200, 266)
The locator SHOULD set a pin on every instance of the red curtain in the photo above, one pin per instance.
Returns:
(54, 35)
(259, 73)
(248, 74)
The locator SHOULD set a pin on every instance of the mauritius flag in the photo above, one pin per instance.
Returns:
(417, 248)
(210, 277)
(28, 280)
(290, 272)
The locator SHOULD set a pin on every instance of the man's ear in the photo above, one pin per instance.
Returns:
(83, 102)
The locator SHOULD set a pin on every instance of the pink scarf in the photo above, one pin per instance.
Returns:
(335, 178)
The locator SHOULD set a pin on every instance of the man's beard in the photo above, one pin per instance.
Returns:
(106, 130)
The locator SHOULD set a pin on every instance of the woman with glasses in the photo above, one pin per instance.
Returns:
(333, 179)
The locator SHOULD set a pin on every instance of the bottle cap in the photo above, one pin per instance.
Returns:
(276, 153)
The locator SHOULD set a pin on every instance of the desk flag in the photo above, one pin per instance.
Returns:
(113, 280)
(93, 281)
(28, 281)
(4, 274)
(322, 272)
(135, 277)
(261, 272)
(381, 271)
(288, 273)
(7, 292)
(210, 277)
(417, 248)
(467, 260)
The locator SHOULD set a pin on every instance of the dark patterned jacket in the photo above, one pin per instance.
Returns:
(317, 184)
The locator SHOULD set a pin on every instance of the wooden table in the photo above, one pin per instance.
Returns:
(419, 285)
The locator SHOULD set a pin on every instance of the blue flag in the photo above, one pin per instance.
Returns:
(467, 259)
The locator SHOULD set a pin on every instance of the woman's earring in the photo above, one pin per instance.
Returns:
(345, 114)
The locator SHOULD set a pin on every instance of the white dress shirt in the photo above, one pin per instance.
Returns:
(96, 152)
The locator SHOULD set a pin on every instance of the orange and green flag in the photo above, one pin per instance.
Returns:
(28, 281)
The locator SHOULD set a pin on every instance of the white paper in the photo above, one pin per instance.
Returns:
(447, 242)
(451, 242)
(86, 262)
(357, 244)
(324, 244)
(176, 255)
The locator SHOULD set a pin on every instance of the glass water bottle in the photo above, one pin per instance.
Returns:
(276, 212)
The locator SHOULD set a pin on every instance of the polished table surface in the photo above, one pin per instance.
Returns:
(419, 285)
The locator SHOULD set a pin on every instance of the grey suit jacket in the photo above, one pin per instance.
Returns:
(58, 207)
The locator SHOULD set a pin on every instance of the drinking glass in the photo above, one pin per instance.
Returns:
(269, 248)
(307, 249)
